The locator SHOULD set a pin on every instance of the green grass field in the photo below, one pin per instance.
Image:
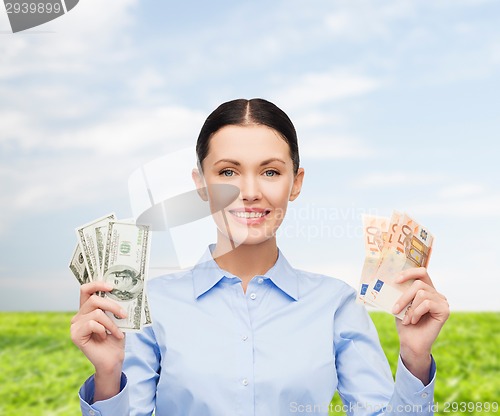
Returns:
(41, 370)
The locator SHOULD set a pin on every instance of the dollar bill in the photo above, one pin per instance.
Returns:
(101, 233)
(147, 320)
(126, 261)
(374, 232)
(90, 241)
(88, 261)
(407, 244)
(77, 266)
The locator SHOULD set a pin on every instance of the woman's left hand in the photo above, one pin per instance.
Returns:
(428, 312)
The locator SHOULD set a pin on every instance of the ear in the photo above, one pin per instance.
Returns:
(297, 184)
(200, 184)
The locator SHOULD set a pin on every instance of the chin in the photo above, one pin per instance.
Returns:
(255, 241)
(251, 237)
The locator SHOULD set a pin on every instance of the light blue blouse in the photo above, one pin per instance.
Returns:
(282, 348)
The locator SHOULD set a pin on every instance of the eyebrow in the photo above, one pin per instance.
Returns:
(263, 163)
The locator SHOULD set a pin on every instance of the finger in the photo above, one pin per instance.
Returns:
(88, 289)
(100, 331)
(101, 317)
(415, 273)
(409, 295)
(97, 316)
(436, 306)
(81, 332)
(429, 298)
(419, 311)
(97, 302)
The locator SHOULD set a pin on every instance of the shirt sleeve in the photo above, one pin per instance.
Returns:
(365, 382)
(115, 405)
(141, 370)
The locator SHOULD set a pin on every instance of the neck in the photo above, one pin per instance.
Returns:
(246, 260)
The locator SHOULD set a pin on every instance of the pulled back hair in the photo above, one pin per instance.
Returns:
(242, 112)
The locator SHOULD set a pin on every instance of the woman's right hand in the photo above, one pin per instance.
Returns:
(98, 337)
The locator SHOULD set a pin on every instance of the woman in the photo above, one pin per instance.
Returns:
(244, 332)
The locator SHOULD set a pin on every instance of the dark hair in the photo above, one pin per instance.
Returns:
(242, 112)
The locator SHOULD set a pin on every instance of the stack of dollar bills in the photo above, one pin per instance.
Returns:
(116, 252)
(391, 246)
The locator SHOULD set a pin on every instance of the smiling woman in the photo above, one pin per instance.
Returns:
(266, 180)
(252, 145)
(243, 332)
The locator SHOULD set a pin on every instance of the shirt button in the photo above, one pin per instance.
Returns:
(424, 395)
(244, 337)
(244, 382)
(91, 413)
(260, 280)
(253, 296)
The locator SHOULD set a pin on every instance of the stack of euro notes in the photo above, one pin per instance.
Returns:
(392, 245)
(116, 252)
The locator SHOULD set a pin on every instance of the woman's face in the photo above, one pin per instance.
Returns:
(257, 160)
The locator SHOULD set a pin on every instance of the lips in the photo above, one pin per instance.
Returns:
(250, 215)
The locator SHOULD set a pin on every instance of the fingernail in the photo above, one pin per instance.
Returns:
(108, 286)
(395, 309)
(405, 320)
(123, 312)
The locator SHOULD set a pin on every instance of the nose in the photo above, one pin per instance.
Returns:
(249, 189)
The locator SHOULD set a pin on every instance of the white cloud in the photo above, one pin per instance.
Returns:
(464, 49)
(334, 148)
(465, 200)
(53, 184)
(316, 119)
(91, 31)
(134, 130)
(468, 189)
(466, 285)
(146, 84)
(466, 207)
(365, 20)
(15, 126)
(38, 185)
(90, 163)
(63, 144)
(313, 89)
(354, 26)
(130, 129)
(390, 179)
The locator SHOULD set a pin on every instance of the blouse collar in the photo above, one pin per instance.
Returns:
(207, 273)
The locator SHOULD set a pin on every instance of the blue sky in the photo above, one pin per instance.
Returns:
(396, 105)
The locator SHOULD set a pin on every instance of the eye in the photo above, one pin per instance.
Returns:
(226, 172)
(271, 172)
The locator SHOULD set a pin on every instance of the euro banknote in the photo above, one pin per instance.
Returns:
(406, 244)
(374, 232)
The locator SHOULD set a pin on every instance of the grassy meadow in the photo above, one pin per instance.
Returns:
(41, 370)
